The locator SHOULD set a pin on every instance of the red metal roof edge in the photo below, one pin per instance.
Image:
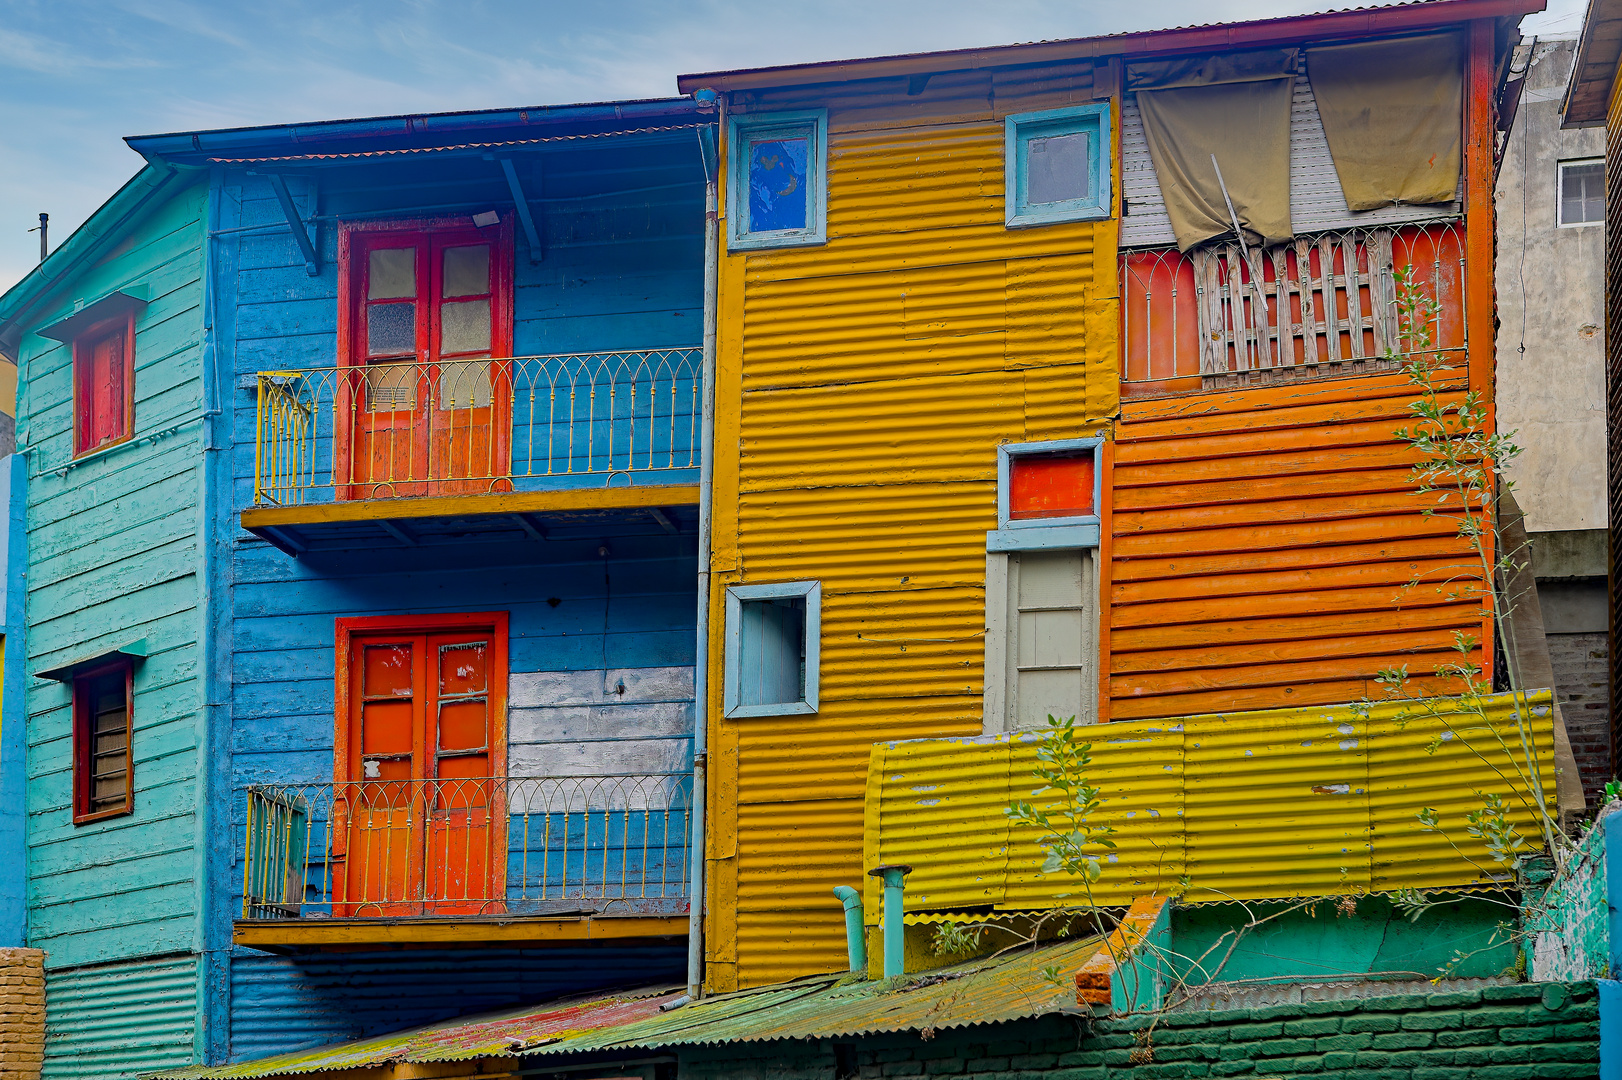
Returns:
(1344, 23)
(1584, 72)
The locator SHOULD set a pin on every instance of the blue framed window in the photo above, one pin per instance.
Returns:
(1048, 495)
(1057, 165)
(773, 649)
(778, 194)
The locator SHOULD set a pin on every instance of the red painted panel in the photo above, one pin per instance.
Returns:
(1051, 487)
(103, 378)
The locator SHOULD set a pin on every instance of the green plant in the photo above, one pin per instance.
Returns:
(1073, 841)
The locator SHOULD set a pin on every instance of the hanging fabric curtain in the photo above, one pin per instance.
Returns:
(1393, 112)
(1234, 106)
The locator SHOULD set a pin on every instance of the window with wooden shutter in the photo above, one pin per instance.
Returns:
(104, 384)
(103, 723)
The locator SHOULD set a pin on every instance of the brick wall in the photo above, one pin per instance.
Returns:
(22, 1013)
(1581, 672)
(1548, 1030)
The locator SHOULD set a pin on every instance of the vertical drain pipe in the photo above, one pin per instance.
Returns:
(895, 944)
(854, 941)
(701, 658)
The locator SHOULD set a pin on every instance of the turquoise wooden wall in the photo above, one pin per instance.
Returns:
(112, 556)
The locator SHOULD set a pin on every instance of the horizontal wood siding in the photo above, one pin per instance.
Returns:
(113, 557)
(864, 388)
(1262, 542)
(621, 272)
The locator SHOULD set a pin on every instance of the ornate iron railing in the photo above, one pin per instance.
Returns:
(468, 846)
(475, 426)
(1310, 306)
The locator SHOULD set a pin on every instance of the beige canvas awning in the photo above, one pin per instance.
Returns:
(1237, 108)
(1393, 112)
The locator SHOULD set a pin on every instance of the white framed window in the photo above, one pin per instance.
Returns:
(777, 165)
(1582, 192)
(1057, 165)
(773, 649)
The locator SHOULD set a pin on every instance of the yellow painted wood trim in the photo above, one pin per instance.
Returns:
(511, 502)
(254, 933)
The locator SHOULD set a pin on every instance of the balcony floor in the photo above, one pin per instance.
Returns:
(439, 931)
(413, 521)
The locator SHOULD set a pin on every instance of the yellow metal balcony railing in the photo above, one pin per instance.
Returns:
(468, 846)
(463, 427)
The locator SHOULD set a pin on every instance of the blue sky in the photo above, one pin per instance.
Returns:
(77, 76)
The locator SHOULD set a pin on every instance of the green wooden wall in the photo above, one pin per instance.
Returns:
(113, 555)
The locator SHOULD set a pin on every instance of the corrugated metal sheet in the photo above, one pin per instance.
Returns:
(1317, 203)
(281, 1004)
(114, 1021)
(1262, 540)
(877, 374)
(1258, 805)
(1010, 987)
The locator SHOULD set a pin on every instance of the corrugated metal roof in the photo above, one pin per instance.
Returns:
(1003, 988)
(1374, 18)
(458, 146)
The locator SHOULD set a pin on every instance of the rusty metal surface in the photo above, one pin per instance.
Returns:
(1009, 987)
(1272, 804)
(491, 1035)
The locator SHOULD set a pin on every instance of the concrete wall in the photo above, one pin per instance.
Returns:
(1551, 383)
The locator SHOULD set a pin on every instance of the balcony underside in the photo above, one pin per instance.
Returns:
(439, 931)
(421, 521)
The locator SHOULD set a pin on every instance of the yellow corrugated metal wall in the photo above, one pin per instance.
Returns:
(876, 376)
(1259, 805)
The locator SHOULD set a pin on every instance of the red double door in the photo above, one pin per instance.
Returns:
(420, 815)
(424, 400)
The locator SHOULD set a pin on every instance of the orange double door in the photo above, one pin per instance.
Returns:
(424, 402)
(419, 814)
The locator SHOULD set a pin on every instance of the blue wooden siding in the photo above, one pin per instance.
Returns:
(113, 547)
(601, 648)
(285, 1003)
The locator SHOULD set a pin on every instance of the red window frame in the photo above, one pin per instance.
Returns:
(92, 432)
(84, 742)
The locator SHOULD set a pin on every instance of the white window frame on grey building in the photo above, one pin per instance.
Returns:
(759, 651)
(1560, 192)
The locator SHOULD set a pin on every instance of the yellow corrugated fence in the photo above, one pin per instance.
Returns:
(1270, 804)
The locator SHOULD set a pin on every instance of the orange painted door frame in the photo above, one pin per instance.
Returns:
(420, 746)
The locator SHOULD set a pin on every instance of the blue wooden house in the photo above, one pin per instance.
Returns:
(364, 462)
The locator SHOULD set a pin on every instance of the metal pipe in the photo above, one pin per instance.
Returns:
(44, 230)
(854, 941)
(701, 656)
(895, 942)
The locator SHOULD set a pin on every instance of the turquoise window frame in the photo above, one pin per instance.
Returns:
(1036, 534)
(1020, 128)
(810, 124)
(732, 665)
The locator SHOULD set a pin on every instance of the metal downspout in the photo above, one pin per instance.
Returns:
(701, 658)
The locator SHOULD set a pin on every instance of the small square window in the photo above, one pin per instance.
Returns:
(773, 649)
(1057, 165)
(1582, 192)
(103, 722)
(778, 180)
(104, 384)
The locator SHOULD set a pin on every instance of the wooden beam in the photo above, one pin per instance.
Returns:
(663, 519)
(279, 934)
(510, 502)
